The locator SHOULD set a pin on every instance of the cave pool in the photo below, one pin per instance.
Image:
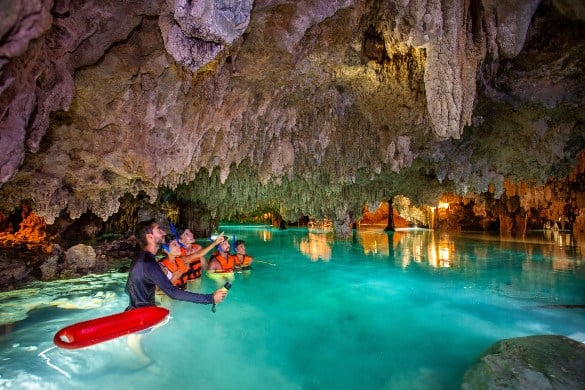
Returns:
(411, 309)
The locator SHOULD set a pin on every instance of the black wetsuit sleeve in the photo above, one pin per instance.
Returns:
(160, 279)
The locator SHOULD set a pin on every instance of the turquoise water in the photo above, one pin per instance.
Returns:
(408, 310)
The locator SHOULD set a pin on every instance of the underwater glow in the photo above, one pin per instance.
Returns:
(411, 309)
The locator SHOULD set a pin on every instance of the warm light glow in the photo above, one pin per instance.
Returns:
(410, 247)
(418, 249)
(265, 235)
(374, 242)
(31, 232)
(322, 226)
(439, 250)
(444, 256)
(316, 247)
(443, 205)
(441, 253)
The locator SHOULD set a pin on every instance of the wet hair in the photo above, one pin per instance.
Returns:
(166, 247)
(239, 242)
(180, 230)
(144, 228)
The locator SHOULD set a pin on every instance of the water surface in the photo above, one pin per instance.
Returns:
(405, 310)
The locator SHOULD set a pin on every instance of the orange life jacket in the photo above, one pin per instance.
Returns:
(227, 265)
(194, 248)
(194, 270)
(173, 267)
(245, 263)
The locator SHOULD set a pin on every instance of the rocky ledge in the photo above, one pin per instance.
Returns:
(20, 265)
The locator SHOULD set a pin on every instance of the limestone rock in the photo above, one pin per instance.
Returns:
(22, 22)
(80, 256)
(12, 271)
(50, 268)
(308, 107)
(194, 33)
(40, 54)
(534, 362)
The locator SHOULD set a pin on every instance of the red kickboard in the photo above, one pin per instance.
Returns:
(98, 330)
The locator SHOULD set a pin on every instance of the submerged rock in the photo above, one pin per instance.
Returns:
(534, 362)
(20, 266)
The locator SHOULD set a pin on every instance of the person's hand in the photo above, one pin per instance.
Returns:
(176, 275)
(219, 239)
(219, 295)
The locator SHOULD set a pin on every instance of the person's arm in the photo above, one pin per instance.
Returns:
(194, 248)
(168, 273)
(159, 278)
(213, 264)
(202, 252)
(203, 263)
(172, 276)
(176, 276)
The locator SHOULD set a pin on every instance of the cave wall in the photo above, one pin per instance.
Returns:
(307, 108)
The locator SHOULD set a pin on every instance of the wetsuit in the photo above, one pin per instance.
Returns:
(145, 274)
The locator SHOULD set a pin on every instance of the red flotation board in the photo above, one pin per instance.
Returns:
(98, 330)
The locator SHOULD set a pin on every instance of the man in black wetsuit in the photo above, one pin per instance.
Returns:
(145, 274)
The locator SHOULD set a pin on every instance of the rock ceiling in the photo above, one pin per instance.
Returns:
(308, 107)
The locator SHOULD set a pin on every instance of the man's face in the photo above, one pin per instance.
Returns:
(158, 235)
(224, 246)
(241, 249)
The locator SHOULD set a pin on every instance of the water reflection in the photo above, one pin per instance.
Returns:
(316, 246)
(561, 238)
(441, 253)
(374, 242)
(409, 246)
(440, 250)
(264, 234)
(493, 289)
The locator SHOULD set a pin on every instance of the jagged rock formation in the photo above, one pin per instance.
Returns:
(194, 33)
(308, 107)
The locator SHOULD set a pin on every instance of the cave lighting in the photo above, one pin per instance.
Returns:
(316, 247)
(264, 234)
(440, 254)
(374, 243)
(444, 257)
(443, 205)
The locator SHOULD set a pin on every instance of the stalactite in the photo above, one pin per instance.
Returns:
(354, 103)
